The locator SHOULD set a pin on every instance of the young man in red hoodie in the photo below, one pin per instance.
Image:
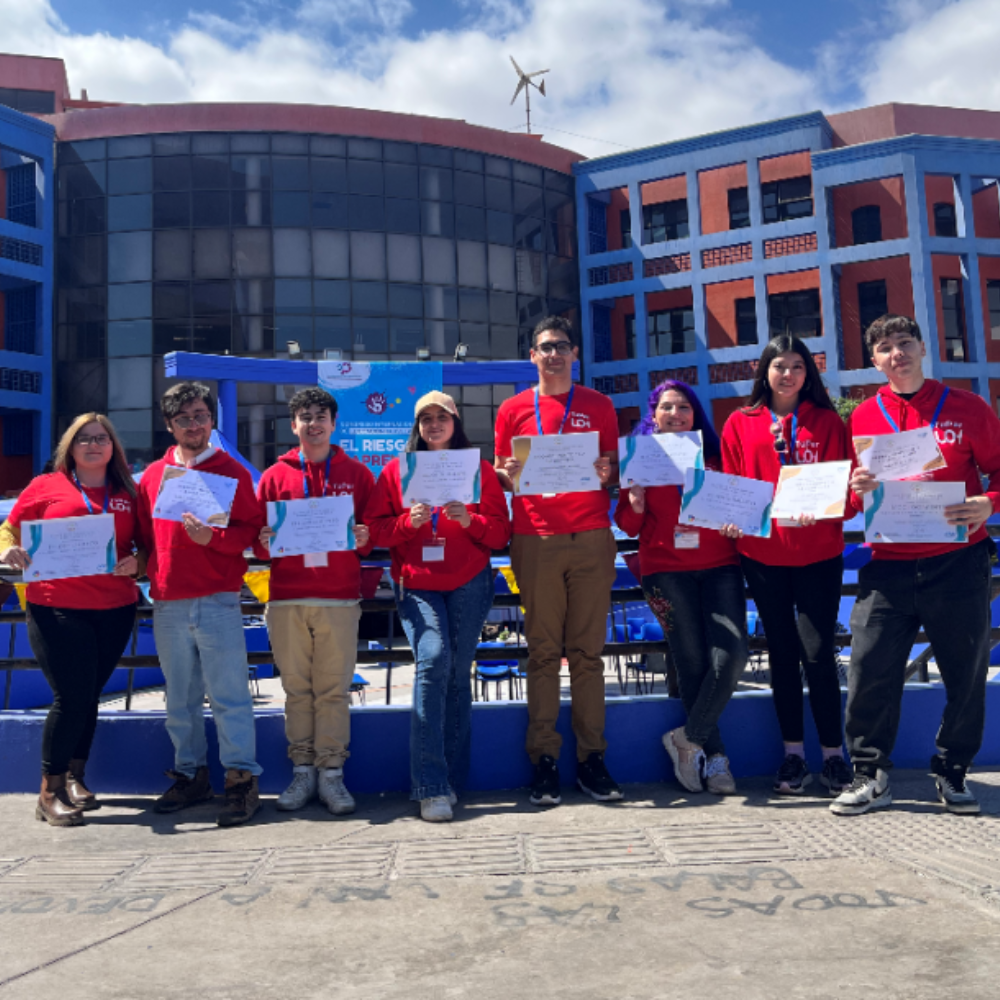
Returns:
(943, 587)
(196, 573)
(315, 607)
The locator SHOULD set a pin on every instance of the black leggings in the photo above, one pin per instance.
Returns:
(814, 592)
(78, 651)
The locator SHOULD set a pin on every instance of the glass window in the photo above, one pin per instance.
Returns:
(405, 336)
(442, 337)
(563, 279)
(437, 218)
(436, 184)
(502, 274)
(130, 301)
(171, 335)
(77, 342)
(210, 208)
(331, 254)
(472, 264)
(206, 142)
(130, 337)
(400, 152)
(287, 143)
(561, 240)
(503, 341)
(473, 305)
(134, 427)
(527, 173)
(290, 173)
(252, 253)
(171, 173)
(671, 331)
(172, 255)
(364, 177)
(251, 208)
(439, 261)
(327, 145)
(401, 181)
(559, 207)
(254, 297)
(503, 308)
(130, 384)
(368, 298)
(739, 208)
(329, 211)
(746, 321)
(292, 257)
(212, 336)
(364, 149)
(528, 200)
(78, 218)
(332, 297)
(291, 208)
(402, 216)
(82, 305)
(211, 254)
(171, 144)
(530, 270)
(953, 309)
(329, 175)
(130, 176)
(470, 223)
(477, 336)
(529, 233)
(787, 199)
(667, 220)
(371, 336)
(82, 386)
(366, 213)
(251, 173)
(797, 313)
(440, 303)
(406, 300)
(945, 221)
(403, 255)
(210, 298)
(172, 210)
(293, 296)
(497, 167)
(131, 211)
(469, 188)
(866, 224)
(130, 145)
(368, 256)
(435, 156)
(210, 173)
(289, 326)
(130, 257)
(171, 300)
(499, 194)
(332, 332)
(500, 227)
(83, 180)
(89, 149)
(82, 260)
(464, 160)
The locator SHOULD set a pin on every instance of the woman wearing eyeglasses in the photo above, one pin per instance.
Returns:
(795, 575)
(78, 627)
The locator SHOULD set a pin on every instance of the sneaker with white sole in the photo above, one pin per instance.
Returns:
(718, 777)
(333, 792)
(688, 759)
(301, 791)
(436, 809)
(864, 794)
(952, 789)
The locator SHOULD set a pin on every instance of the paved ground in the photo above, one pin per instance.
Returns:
(655, 897)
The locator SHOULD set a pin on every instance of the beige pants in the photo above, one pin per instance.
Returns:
(316, 651)
(565, 583)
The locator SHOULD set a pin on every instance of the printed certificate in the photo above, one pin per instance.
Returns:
(316, 524)
(712, 499)
(65, 547)
(658, 459)
(187, 491)
(913, 512)
(440, 477)
(557, 463)
(819, 489)
(900, 456)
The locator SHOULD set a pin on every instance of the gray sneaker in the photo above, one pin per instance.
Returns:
(436, 809)
(301, 791)
(952, 789)
(688, 759)
(333, 792)
(864, 794)
(718, 778)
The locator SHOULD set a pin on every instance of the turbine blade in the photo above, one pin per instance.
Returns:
(520, 86)
(520, 72)
(538, 72)
(541, 88)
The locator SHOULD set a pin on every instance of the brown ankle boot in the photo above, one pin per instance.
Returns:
(242, 798)
(79, 794)
(54, 804)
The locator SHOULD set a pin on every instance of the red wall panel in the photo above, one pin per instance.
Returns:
(989, 270)
(780, 168)
(899, 298)
(720, 310)
(713, 188)
(937, 190)
(674, 298)
(792, 281)
(617, 205)
(986, 213)
(721, 408)
(624, 306)
(668, 189)
(887, 193)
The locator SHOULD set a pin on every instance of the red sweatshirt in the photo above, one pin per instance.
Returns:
(55, 495)
(179, 568)
(466, 550)
(968, 434)
(656, 525)
(340, 579)
(748, 450)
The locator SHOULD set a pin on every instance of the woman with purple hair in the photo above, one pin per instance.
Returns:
(692, 580)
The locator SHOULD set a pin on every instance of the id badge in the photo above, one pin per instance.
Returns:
(315, 560)
(686, 539)
(434, 551)
(549, 496)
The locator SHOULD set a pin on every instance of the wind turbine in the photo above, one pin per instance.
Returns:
(525, 83)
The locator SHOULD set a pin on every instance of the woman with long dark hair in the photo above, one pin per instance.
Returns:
(444, 591)
(692, 580)
(795, 575)
(78, 627)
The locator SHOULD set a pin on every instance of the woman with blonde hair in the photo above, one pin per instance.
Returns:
(78, 627)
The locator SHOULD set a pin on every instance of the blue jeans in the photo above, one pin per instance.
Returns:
(202, 651)
(444, 629)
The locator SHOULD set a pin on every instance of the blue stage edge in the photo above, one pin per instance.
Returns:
(132, 749)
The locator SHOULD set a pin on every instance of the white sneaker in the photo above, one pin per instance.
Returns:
(718, 777)
(436, 809)
(452, 799)
(865, 793)
(301, 790)
(333, 792)
(688, 759)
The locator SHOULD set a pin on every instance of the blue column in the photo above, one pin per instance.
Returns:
(227, 409)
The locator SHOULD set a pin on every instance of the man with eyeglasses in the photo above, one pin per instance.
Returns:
(563, 556)
(196, 574)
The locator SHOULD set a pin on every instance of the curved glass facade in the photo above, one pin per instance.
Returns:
(240, 243)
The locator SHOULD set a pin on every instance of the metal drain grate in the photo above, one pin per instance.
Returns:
(814, 840)
(303, 865)
(182, 871)
(722, 843)
(73, 873)
(611, 849)
(501, 855)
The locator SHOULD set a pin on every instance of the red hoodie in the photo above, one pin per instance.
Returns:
(340, 579)
(748, 450)
(466, 550)
(179, 568)
(655, 528)
(968, 434)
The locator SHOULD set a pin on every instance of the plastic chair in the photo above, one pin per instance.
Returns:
(648, 665)
(358, 685)
(496, 671)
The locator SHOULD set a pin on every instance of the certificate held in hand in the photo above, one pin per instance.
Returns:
(186, 491)
(311, 526)
(658, 459)
(712, 499)
(900, 456)
(913, 512)
(557, 463)
(819, 490)
(66, 547)
(437, 478)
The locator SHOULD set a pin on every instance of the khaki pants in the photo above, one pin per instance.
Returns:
(315, 649)
(565, 583)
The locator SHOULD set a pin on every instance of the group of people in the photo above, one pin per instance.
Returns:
(563, 558)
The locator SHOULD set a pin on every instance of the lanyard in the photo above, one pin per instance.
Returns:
(538, 412)
(934, 419)
(435, 515)
(86, 499)
(305, 476)
(795, 429)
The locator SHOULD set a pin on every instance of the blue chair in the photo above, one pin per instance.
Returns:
(358, 685)
(496, 671)
(644, 668)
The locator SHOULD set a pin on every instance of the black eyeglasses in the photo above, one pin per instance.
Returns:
(101, 440)
(201, 419)
(561, 347)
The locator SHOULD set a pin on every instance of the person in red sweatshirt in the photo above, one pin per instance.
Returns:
(795, 575)
(444, 591)
(315, 606)
(196, 573)
(943, 587)
(78, 627)
(692, 580)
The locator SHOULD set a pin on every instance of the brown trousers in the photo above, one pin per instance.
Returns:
(565, 584)
(315, 649)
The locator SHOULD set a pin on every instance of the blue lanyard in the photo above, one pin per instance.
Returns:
(934, 419)
(86, 499)
(305, 476)
(795, 430)
(538, 412)
(435, 515)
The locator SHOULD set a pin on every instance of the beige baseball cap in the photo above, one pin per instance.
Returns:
(436, 398)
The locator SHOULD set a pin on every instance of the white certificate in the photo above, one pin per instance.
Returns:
(316, 524)
(899, 456)
(658, 459)
(913, 512)
(819, 489)
(557, 463)
(440, 477)
(712, 499)
(187, 491)
(65, 547)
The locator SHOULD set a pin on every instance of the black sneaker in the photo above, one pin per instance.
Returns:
(951, 787)
(545, 783)
(836, 775)
(592, 776)
(792, 776)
